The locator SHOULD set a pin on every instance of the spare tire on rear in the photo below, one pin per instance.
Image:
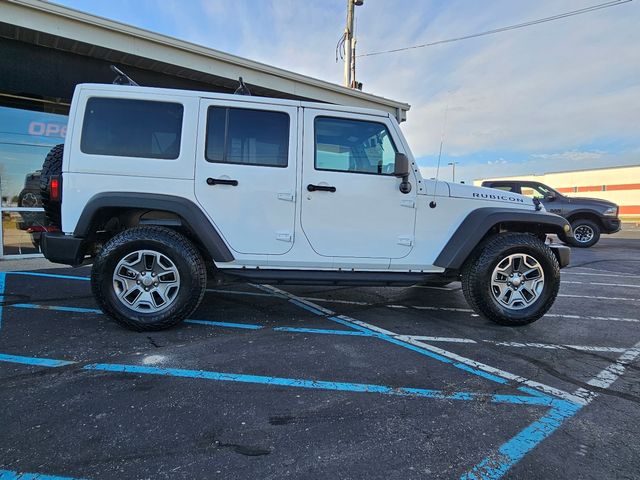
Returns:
(52, 166)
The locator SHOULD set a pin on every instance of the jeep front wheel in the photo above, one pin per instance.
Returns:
(148, 278)
(512, 279)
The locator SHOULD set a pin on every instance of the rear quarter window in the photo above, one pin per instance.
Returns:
(132, 128)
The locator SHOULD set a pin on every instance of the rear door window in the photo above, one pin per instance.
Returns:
(132, 128)
(247, 137)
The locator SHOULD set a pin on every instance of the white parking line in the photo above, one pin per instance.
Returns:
(433, 287)
(548, 346)
(441, 339)
(589, 317)
(606, 377)
(595, 297)
(494, 371)
(618, 275)
(466, 310)
(626, 285)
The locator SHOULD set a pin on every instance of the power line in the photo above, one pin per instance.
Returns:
(505, 29)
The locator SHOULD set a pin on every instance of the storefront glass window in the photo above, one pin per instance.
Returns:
(25, 139)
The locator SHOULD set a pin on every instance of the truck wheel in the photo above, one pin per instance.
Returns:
(586, 233)
(148, 278)
(511, 279)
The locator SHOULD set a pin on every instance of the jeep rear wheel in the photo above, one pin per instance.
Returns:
(512, 279)
(148, 278)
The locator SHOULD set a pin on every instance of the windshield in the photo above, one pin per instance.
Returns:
(539, 191)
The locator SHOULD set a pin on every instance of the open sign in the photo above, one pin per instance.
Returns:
(46, 129)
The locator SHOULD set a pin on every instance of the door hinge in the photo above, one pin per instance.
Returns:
(408, 203)
(408, 241)
(286, 196)
(284, 237)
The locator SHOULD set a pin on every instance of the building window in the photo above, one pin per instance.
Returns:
(132, 128)
(247, 137)
(353, 146)
(26, 136)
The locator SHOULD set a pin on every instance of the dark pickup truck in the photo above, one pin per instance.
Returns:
(589, 217)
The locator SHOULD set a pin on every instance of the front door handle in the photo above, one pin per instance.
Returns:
(322, 188)
(222, 181)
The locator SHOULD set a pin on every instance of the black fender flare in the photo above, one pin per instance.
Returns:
(480, 221)
(194, 219)
(584, 212)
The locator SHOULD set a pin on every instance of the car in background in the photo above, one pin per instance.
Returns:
(29, 197)
(589, 217)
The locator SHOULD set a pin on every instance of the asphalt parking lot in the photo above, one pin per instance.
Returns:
(307, 382)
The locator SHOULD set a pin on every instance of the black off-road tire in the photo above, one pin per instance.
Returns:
(52, 166)
(575, 224)
(186, 257)
(477, 271)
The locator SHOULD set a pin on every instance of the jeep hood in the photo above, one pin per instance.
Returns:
(472, 192)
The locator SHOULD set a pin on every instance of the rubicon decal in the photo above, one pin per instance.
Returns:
(492, 196)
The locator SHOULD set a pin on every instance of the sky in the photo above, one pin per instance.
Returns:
(562, 95)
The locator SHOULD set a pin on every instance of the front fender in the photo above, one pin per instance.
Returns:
(481, 221)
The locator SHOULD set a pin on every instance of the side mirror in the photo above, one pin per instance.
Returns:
(402, 165)
(550, 196)
(401, 170)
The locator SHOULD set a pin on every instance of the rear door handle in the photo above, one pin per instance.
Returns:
(222, 181)
(322, 188)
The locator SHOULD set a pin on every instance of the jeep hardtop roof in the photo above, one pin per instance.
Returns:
(110, 88)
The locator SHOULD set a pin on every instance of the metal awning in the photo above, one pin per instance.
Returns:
(52, 26)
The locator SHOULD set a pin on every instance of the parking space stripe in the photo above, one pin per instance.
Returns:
(60, 308)
(590, 317)
(441, 339)
(571, 271)
(322, 331)
(624, 285)
(511, 452)
(548, 346)
(495, 466)
(610, 374)
(239, 292)
(247, 326)
(40, 362)
(325, 385)
(589, 274)
(547, 389)
(50, 275)
(13, 475)
(595, 297)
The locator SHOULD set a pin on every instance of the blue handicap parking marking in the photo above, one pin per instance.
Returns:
(493, 466)
(13, 475)
(39, 362)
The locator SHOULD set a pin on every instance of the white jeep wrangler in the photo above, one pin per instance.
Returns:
(157, 188)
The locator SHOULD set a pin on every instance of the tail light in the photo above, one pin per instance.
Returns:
(55, 189)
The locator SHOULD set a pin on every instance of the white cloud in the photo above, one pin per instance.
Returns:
(553, 86)
(570, 156)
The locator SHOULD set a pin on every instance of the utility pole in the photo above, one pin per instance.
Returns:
(350, 46)
(453, 167)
